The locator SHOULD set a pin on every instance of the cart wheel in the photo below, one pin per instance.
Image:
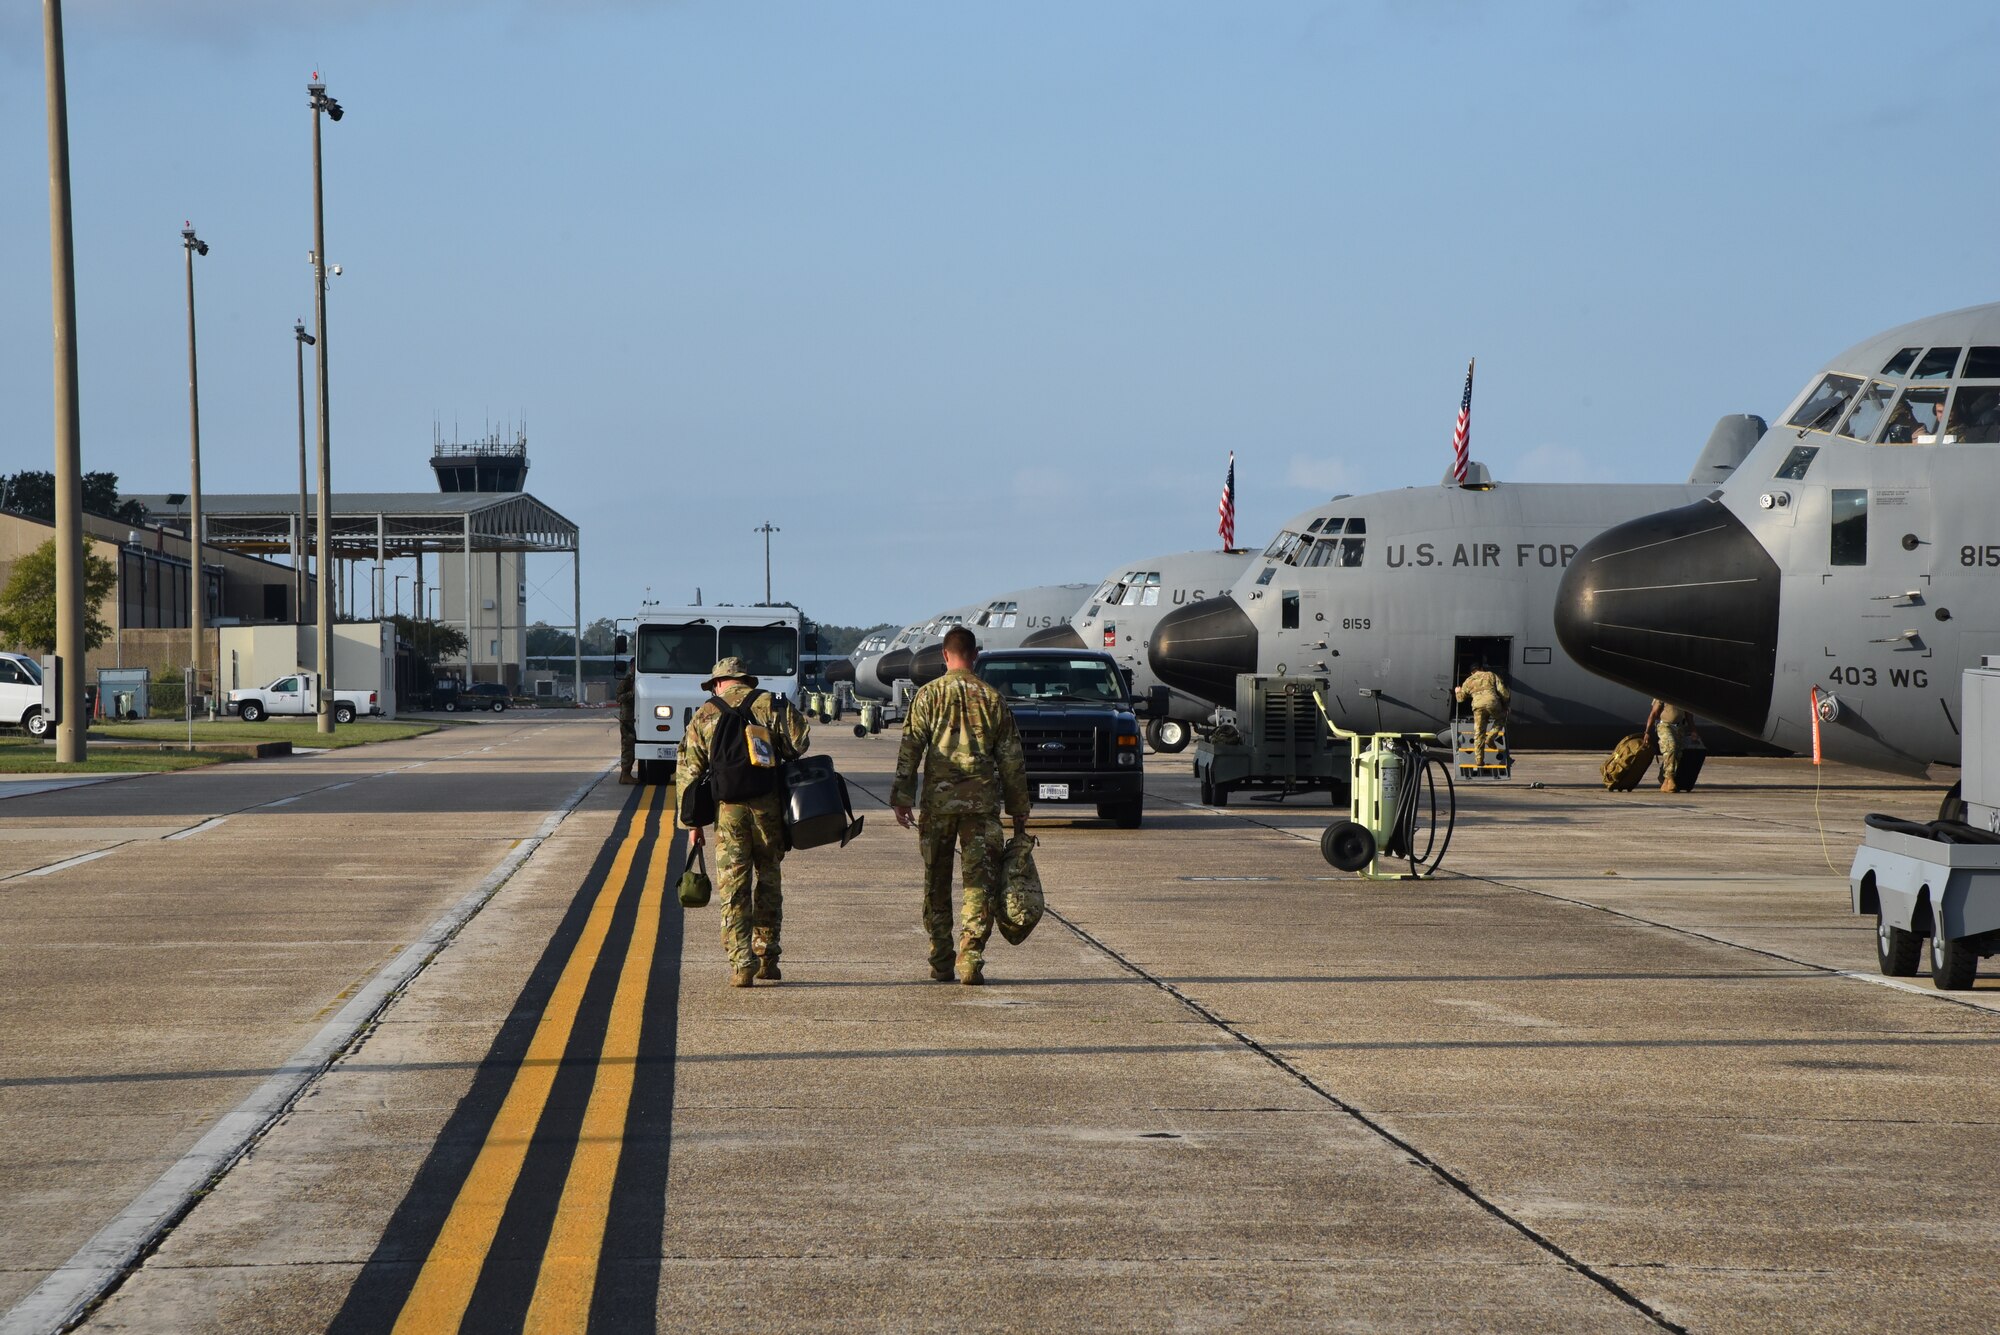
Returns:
(1347, 846)
(1953, 963)
(1896, 951)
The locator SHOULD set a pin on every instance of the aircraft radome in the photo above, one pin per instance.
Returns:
(1120, 616)
(1004, 622)
(876, 680)
(1394, 596)
(1856, 551)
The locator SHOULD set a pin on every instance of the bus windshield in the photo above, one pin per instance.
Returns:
(768, 651)
(682, 649)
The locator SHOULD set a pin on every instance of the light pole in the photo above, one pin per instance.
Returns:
(767, 530)
(318, 100)
(69, 435)
(302, 340)
(197, 587)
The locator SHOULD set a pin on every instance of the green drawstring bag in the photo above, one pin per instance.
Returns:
(694, 886)
(1021, 901)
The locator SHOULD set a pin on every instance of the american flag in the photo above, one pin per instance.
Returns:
(1461, 435)
(1226, 511)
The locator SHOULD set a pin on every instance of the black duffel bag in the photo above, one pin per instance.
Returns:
(817, 809)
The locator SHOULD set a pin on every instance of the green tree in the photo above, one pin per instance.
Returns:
(598, 636)
(28, 603)
(545, 641)
(34, 494)
(433, 640)
(842, 640)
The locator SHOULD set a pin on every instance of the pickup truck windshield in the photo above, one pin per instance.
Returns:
(1087, 679)
(768, 651)
(676, 649)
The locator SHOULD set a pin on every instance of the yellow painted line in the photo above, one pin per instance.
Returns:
(438, 1300)
(568, 1276)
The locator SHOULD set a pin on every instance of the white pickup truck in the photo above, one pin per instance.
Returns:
(296, 695)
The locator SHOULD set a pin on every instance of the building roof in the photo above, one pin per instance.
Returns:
(402, 522)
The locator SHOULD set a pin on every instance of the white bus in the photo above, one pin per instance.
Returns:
(675, 648)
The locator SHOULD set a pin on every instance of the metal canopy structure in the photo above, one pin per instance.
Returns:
(390, 525)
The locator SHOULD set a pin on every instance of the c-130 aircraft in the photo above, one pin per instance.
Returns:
(1393, 597)
(1856, 553)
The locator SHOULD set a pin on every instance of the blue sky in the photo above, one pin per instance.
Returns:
(968, 297)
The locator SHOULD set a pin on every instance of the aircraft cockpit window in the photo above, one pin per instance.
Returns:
(1350, 551)
(1013, 611)
(1901, 362)
(1850, 527)
(1937, 364)
(1918, 418)
(1975, 414)
(1870, 408)
(1285, 548)
(1825, 404)
(1323, 552)
(1797, 462)
(1318, 524)
(1152, 597)
(1981, 364)
(1356, 525)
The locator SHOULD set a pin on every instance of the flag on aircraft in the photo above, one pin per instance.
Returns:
(1226, 511)
(1461, 436)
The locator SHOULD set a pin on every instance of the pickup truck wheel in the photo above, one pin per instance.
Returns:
(343, 713)
(1896, 951)
(250, 711)
(36, 722)
(451, 706)
(1125, 815)
(1953, 963)
(498, 706)
(1168, 736)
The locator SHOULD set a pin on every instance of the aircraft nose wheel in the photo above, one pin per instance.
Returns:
(1348, 846)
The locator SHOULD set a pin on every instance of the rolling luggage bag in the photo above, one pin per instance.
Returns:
(1628, 762)
(817, 808)
(1688, 768)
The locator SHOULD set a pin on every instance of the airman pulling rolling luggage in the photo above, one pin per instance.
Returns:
(1628, 762)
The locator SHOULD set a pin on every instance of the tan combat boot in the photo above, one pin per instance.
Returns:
(941, 972)
(744, 975)
(969, 970)
(767, 969)
(625, 776)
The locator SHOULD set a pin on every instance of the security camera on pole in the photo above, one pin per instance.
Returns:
(319, 101)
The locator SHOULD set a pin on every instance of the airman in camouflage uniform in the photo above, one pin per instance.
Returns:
(963, 732)
(1489, 697)
(628, 733)
(749, 836)
(1673, 726)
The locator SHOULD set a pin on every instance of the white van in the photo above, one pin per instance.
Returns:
(674, 649)
(21, 694)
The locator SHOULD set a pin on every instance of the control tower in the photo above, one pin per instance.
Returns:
(492, 463)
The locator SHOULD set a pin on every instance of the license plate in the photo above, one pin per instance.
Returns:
(1053, 792)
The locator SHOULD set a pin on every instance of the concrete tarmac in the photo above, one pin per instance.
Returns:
(1626, 1065)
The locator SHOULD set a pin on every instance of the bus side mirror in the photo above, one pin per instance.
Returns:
(619, 644)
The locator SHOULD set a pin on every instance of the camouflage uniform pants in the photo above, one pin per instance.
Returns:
(977, 834)
(750, 842)
(1484, 723)
(1670, 750)
(627, 736)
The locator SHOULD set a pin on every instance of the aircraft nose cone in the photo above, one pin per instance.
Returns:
(1202, 647)
(927, 664)
(840, 669)
(1062, 635)
(892, 666)
(1682, 605)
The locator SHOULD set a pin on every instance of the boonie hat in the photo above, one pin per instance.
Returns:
(729, 667)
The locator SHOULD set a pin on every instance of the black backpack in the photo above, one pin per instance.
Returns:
(745, 759)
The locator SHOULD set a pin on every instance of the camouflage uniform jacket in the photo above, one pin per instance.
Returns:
(627, 695)
(1485, 690)
(970, 747)
(785, 723)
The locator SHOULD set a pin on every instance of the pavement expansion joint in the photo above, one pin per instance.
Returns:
(1417, 1157)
